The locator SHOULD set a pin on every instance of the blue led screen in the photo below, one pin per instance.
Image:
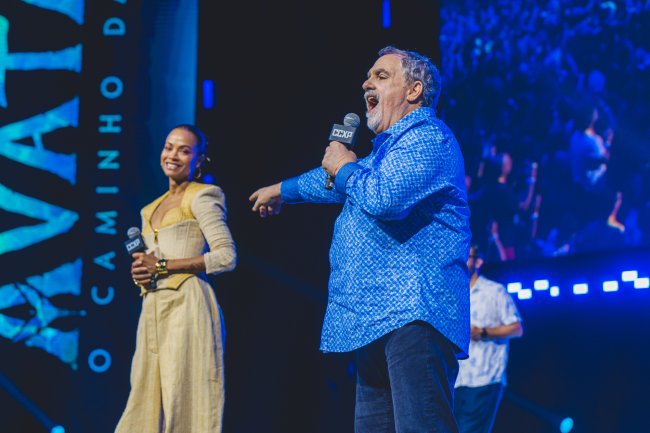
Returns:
(77, 115)
(549, 101)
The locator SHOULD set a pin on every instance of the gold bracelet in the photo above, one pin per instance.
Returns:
(161, 267)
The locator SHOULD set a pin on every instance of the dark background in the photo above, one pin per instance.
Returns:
(283, 73)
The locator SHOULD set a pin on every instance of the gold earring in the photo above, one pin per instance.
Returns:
(198, 173)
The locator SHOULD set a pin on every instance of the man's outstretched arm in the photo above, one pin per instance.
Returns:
(267, 200)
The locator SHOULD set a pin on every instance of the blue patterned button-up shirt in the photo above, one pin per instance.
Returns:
(400, 244)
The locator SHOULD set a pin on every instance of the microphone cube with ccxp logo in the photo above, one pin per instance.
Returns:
(344, 134)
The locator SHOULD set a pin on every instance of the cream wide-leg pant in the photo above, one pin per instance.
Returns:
(177, 376)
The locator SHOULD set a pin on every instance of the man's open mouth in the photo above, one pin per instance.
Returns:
(371, 102)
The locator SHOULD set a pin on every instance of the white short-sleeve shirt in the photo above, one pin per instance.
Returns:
(490, 305)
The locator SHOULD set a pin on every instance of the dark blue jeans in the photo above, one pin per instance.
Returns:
(405, 382)
(476, 408)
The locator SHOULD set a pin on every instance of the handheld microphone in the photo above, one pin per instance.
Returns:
(346, 134)
(135, 243)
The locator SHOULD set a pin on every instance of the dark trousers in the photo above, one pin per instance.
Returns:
(405, 382)
(476, 408)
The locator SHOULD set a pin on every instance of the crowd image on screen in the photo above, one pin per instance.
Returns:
(550, 103)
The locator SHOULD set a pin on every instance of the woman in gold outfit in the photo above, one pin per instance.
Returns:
(177, 375)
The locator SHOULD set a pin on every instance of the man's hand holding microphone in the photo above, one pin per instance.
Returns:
(336, 156)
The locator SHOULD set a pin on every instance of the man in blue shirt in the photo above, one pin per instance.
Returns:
(398, 284)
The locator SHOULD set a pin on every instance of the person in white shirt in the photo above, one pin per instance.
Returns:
(482, 377)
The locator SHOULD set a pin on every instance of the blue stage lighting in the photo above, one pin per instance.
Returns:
(541, 285)
(525, 294)
(208, 94)
(514, 287)
(580, 289)
(57, 429)
(628, 276)
(566, 425)
(555, 291)
(610, 286)
(641, 283)
(385, 14)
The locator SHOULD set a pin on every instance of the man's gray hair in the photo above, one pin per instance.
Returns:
(417, 67)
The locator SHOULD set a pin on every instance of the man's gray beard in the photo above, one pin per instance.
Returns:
(373, 120)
